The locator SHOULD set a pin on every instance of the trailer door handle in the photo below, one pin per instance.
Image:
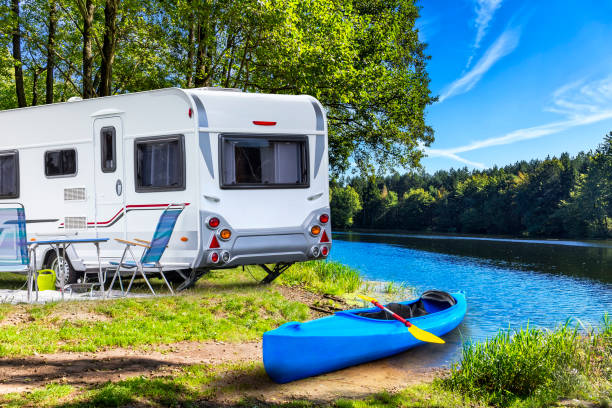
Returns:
(119, 187)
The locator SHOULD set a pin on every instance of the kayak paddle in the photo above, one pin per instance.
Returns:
(419, 334)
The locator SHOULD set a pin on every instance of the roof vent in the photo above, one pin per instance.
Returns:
(218, 88)
(75, 99)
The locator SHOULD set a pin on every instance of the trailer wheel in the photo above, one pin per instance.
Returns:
(70, 275)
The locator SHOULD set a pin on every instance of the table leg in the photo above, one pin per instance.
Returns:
(60, 268)
(100, 277)
(30, 274)
(35, 278)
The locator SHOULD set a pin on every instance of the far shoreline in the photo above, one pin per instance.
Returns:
(590, 242)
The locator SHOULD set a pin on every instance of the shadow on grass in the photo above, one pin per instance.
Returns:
(195, 385)
(22, 371)
(12, 281)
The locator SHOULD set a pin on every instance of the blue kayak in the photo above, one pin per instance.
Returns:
(298, 350)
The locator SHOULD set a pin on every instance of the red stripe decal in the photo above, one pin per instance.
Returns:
(128, 207)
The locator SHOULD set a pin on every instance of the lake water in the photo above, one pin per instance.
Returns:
(508, 282)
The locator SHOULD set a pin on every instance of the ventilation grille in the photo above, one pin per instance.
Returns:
(75, 194)
(75, 223)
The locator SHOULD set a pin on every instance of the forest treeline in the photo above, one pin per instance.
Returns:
(361, 58)
(556, 197)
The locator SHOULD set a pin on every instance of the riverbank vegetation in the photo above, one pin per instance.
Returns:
(556, 197)
(536, 367)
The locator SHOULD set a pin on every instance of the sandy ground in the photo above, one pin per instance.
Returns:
(89, 369)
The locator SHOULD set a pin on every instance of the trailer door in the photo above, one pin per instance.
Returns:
(109, 178)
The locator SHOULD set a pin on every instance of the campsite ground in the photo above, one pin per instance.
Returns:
(200, 348)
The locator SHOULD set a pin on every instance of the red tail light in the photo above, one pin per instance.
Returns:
(214, 243)
(213, 222)
(324, 218)
(263, 123)
(214, 257)
(324, 251)
(324, 237)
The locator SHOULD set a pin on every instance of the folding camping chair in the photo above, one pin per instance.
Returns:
(149, 261)
(14, 252)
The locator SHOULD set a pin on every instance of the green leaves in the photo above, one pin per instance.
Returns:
(361, 59)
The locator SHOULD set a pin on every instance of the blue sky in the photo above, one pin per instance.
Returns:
(516, 79)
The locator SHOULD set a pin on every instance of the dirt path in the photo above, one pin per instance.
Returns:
(89, 369)
(23, 374)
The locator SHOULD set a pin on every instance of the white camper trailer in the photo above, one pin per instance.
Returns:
(253, 164)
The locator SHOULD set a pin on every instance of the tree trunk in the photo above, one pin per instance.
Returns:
(19, 88)
(190, 45)
(202, 62)
(88, 13)
(50, 51)
(108, 47)
(35, 72)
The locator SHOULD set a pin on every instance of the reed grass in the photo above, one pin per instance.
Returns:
(536, 366)
(323, 277)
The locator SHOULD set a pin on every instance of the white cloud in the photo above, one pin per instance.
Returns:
(581, 103)
(504, 45)
(485, 9)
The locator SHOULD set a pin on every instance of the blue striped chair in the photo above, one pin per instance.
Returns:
(14, 253)
(154, 249)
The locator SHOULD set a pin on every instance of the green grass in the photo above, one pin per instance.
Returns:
(423, 395)
(534, 367)
(49, 396)
(323, 277)
(183, 386)
(193, 385)
(227, 305)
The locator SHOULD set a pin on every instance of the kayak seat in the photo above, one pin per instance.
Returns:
(437, 300)
(415, 309)
(430, 302)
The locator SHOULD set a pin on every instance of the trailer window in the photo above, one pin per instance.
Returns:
(160, 164)
(264, 162)
(61, 163)
(108, 149)
(9, 174)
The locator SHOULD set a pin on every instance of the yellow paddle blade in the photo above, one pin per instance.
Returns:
(422, 335)
(367, 298)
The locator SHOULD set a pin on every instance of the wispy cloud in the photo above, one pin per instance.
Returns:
(485, 9)
(503, 45)
(580, 102)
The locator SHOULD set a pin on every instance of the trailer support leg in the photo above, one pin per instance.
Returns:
(190, 280)
(274, 272)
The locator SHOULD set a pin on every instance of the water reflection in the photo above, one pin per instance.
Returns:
(590, 259)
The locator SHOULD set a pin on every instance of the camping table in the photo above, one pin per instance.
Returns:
(56, 244)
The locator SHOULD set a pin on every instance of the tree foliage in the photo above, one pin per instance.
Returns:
(345, 203)
(362, 59)
(555, 197)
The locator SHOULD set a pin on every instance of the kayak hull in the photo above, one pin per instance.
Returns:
(298, 350)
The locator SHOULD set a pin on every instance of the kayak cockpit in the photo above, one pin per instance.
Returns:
(431, 301)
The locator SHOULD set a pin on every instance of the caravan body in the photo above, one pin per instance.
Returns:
(253, 164)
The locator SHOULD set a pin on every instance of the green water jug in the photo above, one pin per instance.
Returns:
(46, 279)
